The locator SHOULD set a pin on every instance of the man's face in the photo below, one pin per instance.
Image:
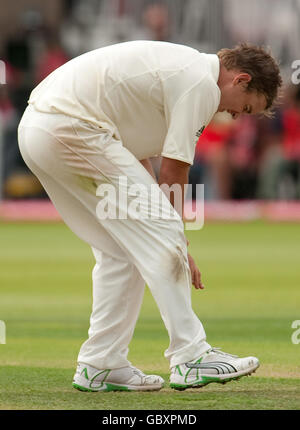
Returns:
(236, 100)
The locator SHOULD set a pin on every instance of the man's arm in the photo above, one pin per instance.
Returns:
(177, 172)
(174, 172)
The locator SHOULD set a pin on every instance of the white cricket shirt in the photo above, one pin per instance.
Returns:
(155, 96)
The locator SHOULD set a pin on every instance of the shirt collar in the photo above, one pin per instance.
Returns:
(215, 66)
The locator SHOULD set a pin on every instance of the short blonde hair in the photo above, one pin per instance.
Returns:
(259, 64)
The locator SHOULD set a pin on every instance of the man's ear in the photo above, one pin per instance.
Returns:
(242, 79)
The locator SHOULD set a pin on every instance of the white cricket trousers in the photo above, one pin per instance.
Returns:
(71, 158)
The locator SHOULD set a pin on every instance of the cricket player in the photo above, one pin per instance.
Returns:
(94, 123)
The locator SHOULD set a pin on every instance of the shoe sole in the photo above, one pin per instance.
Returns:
(221, 379)
(106, 387)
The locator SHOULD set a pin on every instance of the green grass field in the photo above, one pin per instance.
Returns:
(252, 296)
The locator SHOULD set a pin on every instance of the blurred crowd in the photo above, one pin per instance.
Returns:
(249, 158)
(252, 157)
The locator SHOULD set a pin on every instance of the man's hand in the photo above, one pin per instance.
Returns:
(196, 275)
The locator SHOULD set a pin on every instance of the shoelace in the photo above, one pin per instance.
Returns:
(142, 375)
(220, 352)
(139, 373)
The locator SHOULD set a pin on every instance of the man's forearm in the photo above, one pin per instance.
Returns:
(175, 180)
(173, 177)
(176, 173)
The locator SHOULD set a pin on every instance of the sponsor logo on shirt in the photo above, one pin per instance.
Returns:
(200, 131)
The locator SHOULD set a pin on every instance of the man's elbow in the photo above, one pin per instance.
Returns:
(173, 171)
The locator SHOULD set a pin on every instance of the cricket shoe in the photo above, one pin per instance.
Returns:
(212, 366)
(88, 378)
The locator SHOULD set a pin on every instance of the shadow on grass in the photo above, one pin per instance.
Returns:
(24, 388)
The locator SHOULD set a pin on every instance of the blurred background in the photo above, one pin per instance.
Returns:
(251, 172)
(250, 159)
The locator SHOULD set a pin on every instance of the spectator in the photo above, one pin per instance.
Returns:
(157, 22)
(242, 155)
(280, 164)
(211, 165)
(10, 103)
(53, 57)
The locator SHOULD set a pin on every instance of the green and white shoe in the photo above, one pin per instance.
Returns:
(88, 378)
(213, 366)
